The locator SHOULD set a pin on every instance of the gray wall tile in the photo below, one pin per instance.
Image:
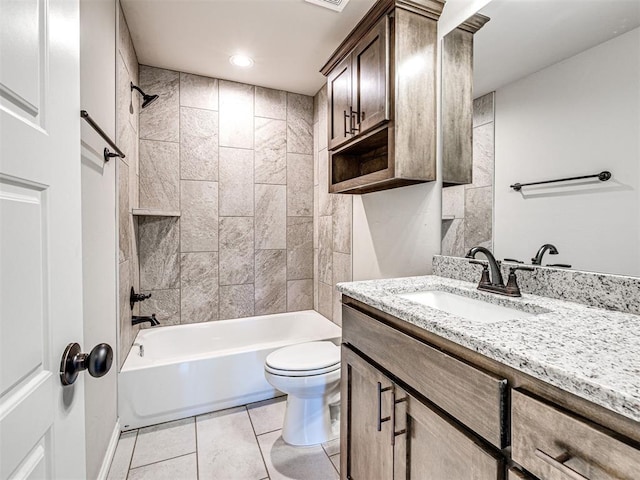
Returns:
(483, 155)
(236, 114)
(299, 123)
(165, 304)
(199, 283)
(483, 109)
(124, 211)
(271, 217)
(325, 200)
(342, 219)
(299, 248)
(325, 250)
(342, 272)
(299, 185)
(478, 216)
(236, 301)
(236, 182)
(271, 151)
(236, 250)
(452, 243)
(325, 300)
(198, 144)
(159, 175)
(271, 282)
(159, 239)
(323, 138)
(271, 103)
(199, 220)
(127, 331)
(199, 92)
(299, 295)
(160, 120)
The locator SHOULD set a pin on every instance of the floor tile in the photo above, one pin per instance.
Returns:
(299, 463)
(332, 447)
(268, 415)
(122, 456)
(164, 441)
(335, 459)
(182, 468)
(227, 446)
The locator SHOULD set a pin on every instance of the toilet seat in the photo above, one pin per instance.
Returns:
(304, 359)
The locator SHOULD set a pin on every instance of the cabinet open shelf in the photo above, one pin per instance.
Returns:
(154, 212)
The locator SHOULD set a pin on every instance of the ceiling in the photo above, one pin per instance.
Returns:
(525, 36)
(289, 40)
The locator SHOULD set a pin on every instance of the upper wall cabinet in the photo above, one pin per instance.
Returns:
(457, 102)
(358, 99)
(381, 94)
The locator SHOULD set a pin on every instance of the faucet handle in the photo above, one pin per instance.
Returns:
(513, 260)
(512, 287)
(484, 279)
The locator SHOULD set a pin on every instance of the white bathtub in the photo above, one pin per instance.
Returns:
(193, 369)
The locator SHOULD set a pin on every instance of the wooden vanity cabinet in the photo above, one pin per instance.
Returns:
(381, 99)
(445, 414)
(391, 434)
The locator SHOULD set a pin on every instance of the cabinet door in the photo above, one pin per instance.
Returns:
(339, 98)
(371, 78)
(367, 453)
(433, 448)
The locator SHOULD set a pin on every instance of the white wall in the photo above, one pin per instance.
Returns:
(395, 232)
(99, 248)
(577, 117)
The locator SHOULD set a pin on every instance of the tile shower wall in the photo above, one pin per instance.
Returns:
(237, 161)
(332, 224)
(468, 209)
(127, 108)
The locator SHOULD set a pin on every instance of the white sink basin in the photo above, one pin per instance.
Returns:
(465, 307)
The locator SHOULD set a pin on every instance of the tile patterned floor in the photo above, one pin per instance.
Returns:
(242, 443)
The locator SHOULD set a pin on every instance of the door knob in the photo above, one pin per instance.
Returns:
(97, 362)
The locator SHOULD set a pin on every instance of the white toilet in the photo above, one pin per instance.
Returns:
(309, 373)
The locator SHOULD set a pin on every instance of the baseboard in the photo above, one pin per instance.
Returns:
(111, 450)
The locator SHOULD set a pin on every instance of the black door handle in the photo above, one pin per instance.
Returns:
(97, 362)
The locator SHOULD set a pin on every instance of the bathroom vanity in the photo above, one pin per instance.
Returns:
(551, 393)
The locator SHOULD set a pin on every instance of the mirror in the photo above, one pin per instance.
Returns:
(556, 88)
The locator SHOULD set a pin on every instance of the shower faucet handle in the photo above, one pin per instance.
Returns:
(137, 297)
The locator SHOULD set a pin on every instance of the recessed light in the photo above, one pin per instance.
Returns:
(241, 61)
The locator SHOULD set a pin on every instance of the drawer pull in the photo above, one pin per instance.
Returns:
(380, 419)
(558, 463)
(394, 434)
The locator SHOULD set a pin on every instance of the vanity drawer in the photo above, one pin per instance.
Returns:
(473, 397)
(555, 445)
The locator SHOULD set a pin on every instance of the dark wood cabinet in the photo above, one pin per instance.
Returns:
(339, 94)
(385, 137)
(391, 434)
(358, 99)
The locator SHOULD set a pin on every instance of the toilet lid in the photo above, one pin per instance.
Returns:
(305, 357)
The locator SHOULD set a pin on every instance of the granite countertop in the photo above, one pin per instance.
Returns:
(590, 352)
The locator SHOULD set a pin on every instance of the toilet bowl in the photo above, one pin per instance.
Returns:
(309, 373)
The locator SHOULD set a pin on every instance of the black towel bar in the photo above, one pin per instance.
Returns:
(602, 176)
(107, 154)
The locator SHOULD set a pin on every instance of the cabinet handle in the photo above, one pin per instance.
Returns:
(394, 434)
(352, 123)
(558, 463)
(347, 115)
(380, 419)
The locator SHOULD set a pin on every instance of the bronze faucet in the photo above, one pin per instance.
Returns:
(537, 260)
(495, 283)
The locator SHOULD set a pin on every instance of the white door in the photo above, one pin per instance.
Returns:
(41, 422)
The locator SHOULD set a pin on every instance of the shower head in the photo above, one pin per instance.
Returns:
(146, 99)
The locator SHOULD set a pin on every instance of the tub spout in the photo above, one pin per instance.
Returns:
(135, 320)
